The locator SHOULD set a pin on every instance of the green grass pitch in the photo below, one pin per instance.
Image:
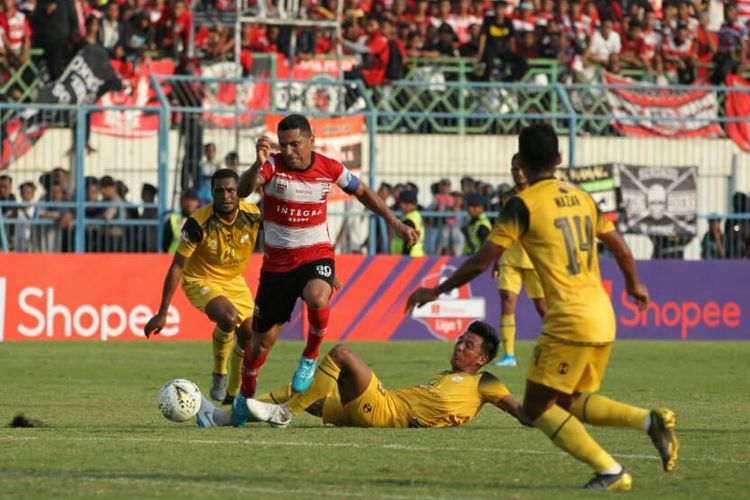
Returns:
(105, 437)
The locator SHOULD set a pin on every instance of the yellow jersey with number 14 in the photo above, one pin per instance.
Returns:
(557, 225)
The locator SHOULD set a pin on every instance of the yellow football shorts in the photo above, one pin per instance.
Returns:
(202, 291)
(566, 367)
(511, 279)
(376, 407)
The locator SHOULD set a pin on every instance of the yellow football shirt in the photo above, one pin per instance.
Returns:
(449, 398)
(557, 225)
(515, 256)
(217, 249)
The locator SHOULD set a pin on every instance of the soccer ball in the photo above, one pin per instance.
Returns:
(179, 400)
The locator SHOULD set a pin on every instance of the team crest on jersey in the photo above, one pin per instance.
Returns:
(325, 190)
(457, 378)
(448, 317)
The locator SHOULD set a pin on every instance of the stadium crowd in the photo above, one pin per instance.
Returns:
(131, 226)
(681, 39)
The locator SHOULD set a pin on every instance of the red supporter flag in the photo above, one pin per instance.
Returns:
(738, 106)
(650, 111)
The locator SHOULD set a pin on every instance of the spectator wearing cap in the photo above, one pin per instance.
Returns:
(478, 227)
(407, 204)
(172, 228)
(679, 53)
(525, 21)
(497, 41)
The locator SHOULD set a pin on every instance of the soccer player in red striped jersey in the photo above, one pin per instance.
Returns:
(298, 259)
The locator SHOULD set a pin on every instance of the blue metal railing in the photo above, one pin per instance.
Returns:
(566, 117)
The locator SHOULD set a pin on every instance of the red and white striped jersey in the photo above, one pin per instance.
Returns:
(672, 50)
(16, 29)
(295, 210)
(651, 44)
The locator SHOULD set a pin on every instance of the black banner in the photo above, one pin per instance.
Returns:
(659, 201)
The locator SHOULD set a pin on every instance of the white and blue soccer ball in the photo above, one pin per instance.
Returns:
(179, 400)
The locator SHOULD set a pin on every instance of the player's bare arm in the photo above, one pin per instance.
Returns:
(470, 269)
(174, 273)
(510, 405)
(372, 201)
(250, 180)
(616, 244)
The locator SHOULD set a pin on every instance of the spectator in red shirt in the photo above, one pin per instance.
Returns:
(706, 42)
(631, 45)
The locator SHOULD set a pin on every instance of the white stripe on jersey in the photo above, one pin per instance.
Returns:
(296, 191)
(279, 236)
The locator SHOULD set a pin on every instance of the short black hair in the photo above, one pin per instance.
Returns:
(295, 122)
(6, 177)
(25, 185)
(490, 340)
(224, 173)
(106, 181)
(150, 188)
(538, 146)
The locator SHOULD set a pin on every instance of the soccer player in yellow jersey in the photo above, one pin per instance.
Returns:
(346, 392)
(556, 224)
(216, 245)
(511, 271)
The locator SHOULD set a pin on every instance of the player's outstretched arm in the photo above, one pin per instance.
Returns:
(616, 244)
(510, 405)
(470, 269)
(171, 281)
(249, 180)
(372, 201)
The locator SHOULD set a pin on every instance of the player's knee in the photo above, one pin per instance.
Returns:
(228, 320)
(507, 301)
(317, 299)
(340, 354)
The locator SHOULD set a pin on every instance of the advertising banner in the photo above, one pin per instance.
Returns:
(599, 182)
(662, 112)
(659, 201)
(99, 297)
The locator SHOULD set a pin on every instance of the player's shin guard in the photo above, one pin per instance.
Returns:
(250, 370)
(508, 333)
(222, 346)
(324, 382)
(318, 319)
(599, 410)
(235, 370)
(278, 396)
(568, 433)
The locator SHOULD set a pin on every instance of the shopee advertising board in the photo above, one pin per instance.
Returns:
(111, 296)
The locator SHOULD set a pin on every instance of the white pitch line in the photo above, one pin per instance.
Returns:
(312, 444)
(62, 476)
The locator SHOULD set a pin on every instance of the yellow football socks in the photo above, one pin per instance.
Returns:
(235, 370)
(278, 396)
(325, 380)
(222, 345)
(568, 434)
(508, 333)
(599, 410)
